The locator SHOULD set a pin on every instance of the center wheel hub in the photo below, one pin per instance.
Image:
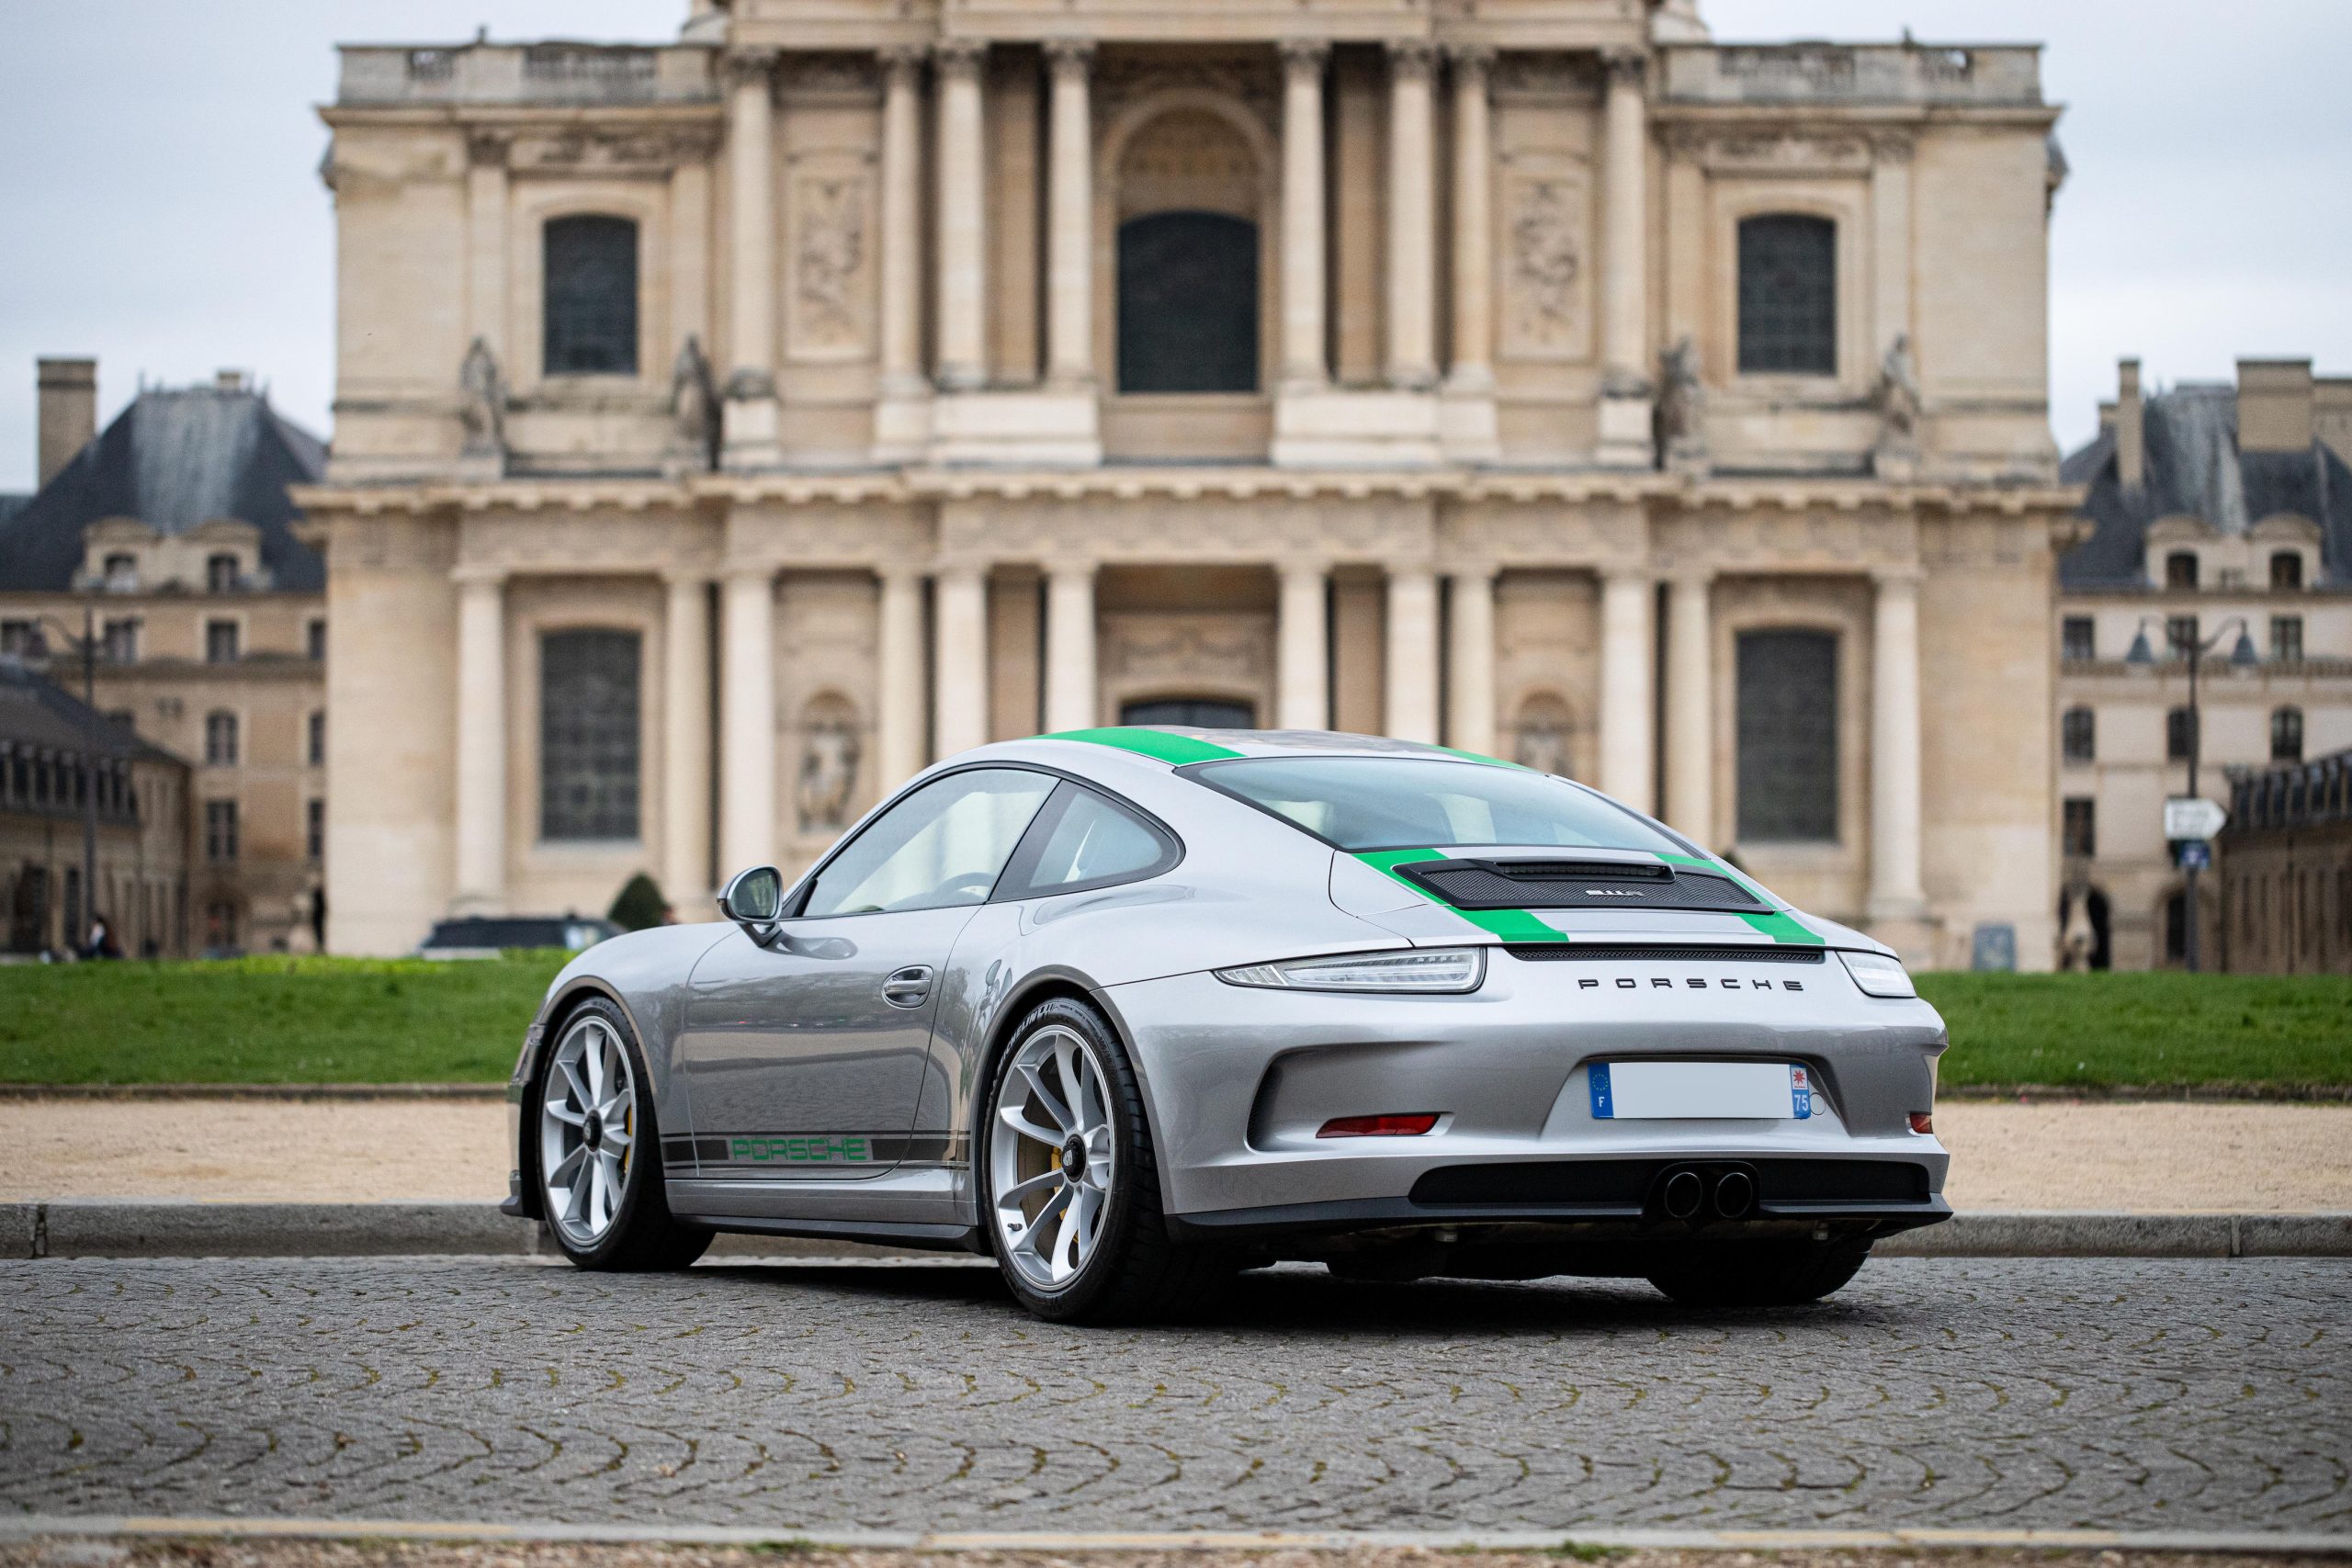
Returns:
(592, 1132)
(1074, 1157)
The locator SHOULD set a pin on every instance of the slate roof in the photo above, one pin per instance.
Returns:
(2194, 466)
(176, 458)
(37, 711)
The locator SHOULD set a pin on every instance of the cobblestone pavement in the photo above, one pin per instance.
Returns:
(2139, 1395)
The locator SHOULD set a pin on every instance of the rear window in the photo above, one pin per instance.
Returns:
(1408, 802)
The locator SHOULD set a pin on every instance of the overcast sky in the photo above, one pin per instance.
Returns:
(160, 205)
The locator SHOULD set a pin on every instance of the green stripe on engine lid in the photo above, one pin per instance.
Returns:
(1175, 750)
(1512, 925)
(1779, 925)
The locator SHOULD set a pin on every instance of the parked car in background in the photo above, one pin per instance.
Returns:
(486, 936)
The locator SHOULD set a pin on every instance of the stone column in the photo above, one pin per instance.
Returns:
(1069, 249)
(1626, 655)
(746, 723)
(1302, 647)
(1474, 263)
(899, 725)
(1071, 701)
(1625, 437)
(901, 263)
(1412, 712)
(1470, 661)
(1890, 238)
(1895, 890)
(486, 240)
(688, 730)
(481, 741)
(1689, 707)
(690, 267)
(960, 658)
(1412, 219)
(963, 219)
(750, 413)
(1304, 356)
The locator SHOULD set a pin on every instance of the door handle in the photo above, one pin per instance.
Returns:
(907, 988)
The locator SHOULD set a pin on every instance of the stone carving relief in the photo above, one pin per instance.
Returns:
(1178, 648)
(1896, 395)
(1122, 80)
(1542, 739)
(1544, 265)
(481, 389)
(830, 752)
(830, 212)
(1780, 149)
(694, 408)
(1682, 409)
(583, 150)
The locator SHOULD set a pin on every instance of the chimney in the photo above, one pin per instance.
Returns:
(69, 410)
(2273, 405)
(2131, 433)
(228, 380)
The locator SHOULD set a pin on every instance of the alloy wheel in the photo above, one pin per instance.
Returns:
(587, 1131)
(1051, 1158)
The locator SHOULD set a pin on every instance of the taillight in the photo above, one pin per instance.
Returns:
(1923, 1121)
(1411, 1126)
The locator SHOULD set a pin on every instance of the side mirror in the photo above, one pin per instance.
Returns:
(754, 900)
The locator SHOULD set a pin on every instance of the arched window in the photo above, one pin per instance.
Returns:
(1788, 295)
(2180, 570)
(1188, 303)
(2286, 569)
(220, 739)
(1788, 735)
(2286, 735)
(2180, 734)
(588, 735)
(2079, 731)
(591, 297)
(1191, 712)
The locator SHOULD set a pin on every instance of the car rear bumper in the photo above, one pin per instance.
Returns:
(1240, 1081)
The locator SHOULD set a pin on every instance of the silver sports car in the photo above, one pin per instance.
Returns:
(1133, 1008)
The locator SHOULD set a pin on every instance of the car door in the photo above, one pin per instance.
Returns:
(804, 1058)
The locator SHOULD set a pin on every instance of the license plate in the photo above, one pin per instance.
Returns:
(1683, 1091)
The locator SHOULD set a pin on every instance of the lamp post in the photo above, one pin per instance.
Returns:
(2241, 657)
(89, 650)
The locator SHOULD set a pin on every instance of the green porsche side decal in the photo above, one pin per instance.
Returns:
(1521, 925)
(1174, 750)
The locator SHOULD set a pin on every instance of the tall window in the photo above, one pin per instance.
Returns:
(2287, 639)
(1188, 303)
(2180, 570)
(2079, 731)
(2287, 735)
(221, 575)
(588, 735)
(221, 830)
(1788, 295)
(121, 572)
(591, 297)
(219, 642)
(220, 740)
(314, 828)
(2079, 640)
(2180, 734)
(315, 747)
(316, 638)
(120, 644)
(2286, 569)
(2081, 827)
(1788, 735)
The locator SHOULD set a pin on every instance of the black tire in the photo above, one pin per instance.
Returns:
(643, 1237)
(1756, 1274)
(1137, 1271)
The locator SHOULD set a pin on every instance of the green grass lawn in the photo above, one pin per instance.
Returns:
(2097, 1031)
(405, 1021)
(270, 1019)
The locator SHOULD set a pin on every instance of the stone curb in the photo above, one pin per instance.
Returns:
(1577, 1542)
(107, 1227)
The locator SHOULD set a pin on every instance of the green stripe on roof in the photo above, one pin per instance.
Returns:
(1173, 749)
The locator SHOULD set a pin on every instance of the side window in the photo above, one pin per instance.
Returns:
(942, 846)
(1089, 841)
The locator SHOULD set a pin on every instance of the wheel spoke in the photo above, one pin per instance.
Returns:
(584, 1184)
(579, 1087)
(562, 1174)
(592, 1063)
(1049, 1100)
(1028, 1129)
(614, 1139)
(1012, 1198)
(565, 1114)
(1087, 1219)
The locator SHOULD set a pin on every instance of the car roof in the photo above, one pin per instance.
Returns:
(1178, 745)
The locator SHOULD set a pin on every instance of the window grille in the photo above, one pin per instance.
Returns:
(588, 735)
(1788, 735)
(1788, 296)
(591, 304)
(2080, 732)
(1188, 303)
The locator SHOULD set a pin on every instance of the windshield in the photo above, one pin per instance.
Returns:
(1403, 803)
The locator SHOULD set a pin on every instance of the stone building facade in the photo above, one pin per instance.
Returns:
(2285, 906)
(726, 429)
(2216, 511)
(171, 530)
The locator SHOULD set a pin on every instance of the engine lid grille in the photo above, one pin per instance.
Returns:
(1528, 883)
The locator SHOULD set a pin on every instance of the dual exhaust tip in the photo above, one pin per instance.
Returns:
(1687, 1191)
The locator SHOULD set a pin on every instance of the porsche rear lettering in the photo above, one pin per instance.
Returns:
(1728, 982)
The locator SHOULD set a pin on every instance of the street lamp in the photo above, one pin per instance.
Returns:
(88, 644)
(2241, 657)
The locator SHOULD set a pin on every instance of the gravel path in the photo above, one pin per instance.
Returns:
(2148, 1157)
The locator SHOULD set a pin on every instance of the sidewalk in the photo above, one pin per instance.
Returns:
(2110, 1157)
